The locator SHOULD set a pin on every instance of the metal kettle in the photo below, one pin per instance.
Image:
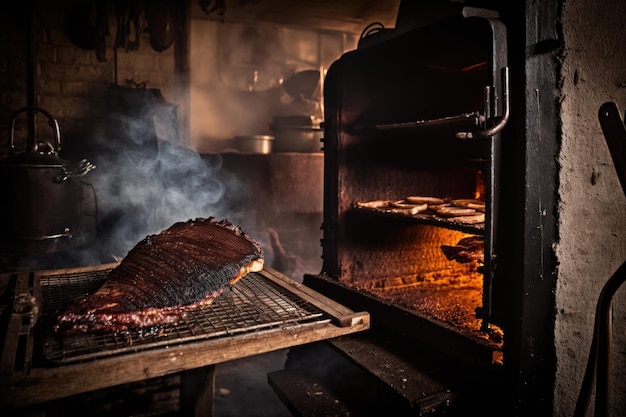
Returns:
(42, 195)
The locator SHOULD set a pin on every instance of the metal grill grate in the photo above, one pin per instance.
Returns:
(254, 303)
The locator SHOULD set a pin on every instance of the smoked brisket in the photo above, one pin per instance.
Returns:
(164, 276)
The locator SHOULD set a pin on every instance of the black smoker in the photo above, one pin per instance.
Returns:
(420, 113)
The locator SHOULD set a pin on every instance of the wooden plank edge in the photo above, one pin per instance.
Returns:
(30, 343)
(13, 324)
(9, 347)
(47, 384)
(342, 315)
(419, 389)
(77, 270)
(26, 287)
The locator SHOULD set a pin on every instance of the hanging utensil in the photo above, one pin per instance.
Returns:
(163, 24)
(303, 84)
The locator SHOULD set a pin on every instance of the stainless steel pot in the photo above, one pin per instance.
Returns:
(296, 134)
(254, 143)
(298, 139)
(41, 206)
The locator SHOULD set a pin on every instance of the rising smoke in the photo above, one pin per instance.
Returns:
(145, 181)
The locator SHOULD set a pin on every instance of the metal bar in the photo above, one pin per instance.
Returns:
(32, 78)
(473, 118)
(599, 363)
(615, 135)
(603, 361)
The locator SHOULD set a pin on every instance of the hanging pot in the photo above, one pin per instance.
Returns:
(162, 24)
(41, 195)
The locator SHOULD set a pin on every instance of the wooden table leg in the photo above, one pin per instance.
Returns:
(197, 387)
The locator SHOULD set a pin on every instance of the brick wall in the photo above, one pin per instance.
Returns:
(70, 81)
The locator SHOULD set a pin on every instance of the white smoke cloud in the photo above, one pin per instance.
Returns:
(144, 184)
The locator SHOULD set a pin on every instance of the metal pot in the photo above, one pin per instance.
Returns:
(41, 205)
(296, 134)
(254, 143)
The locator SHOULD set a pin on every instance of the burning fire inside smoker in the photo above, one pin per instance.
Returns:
(431, 268)
(445, 290)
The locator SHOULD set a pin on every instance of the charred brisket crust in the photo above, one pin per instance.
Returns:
(177, 267)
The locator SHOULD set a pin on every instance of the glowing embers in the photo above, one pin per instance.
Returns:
(451, 299)
(444, 290)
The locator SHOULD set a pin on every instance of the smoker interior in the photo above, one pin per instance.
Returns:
(412, 116)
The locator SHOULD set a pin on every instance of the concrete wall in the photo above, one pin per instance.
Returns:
(592, 207)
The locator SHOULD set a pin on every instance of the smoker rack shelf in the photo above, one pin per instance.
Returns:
(425, 218)
(470, 125)
(463, 123)
(264, 311)
(252, 304)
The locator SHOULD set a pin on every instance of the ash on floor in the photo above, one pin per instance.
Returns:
(242, 390)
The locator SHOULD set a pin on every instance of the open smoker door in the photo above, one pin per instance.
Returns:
(417, 114)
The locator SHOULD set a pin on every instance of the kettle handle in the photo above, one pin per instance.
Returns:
(56, 147)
